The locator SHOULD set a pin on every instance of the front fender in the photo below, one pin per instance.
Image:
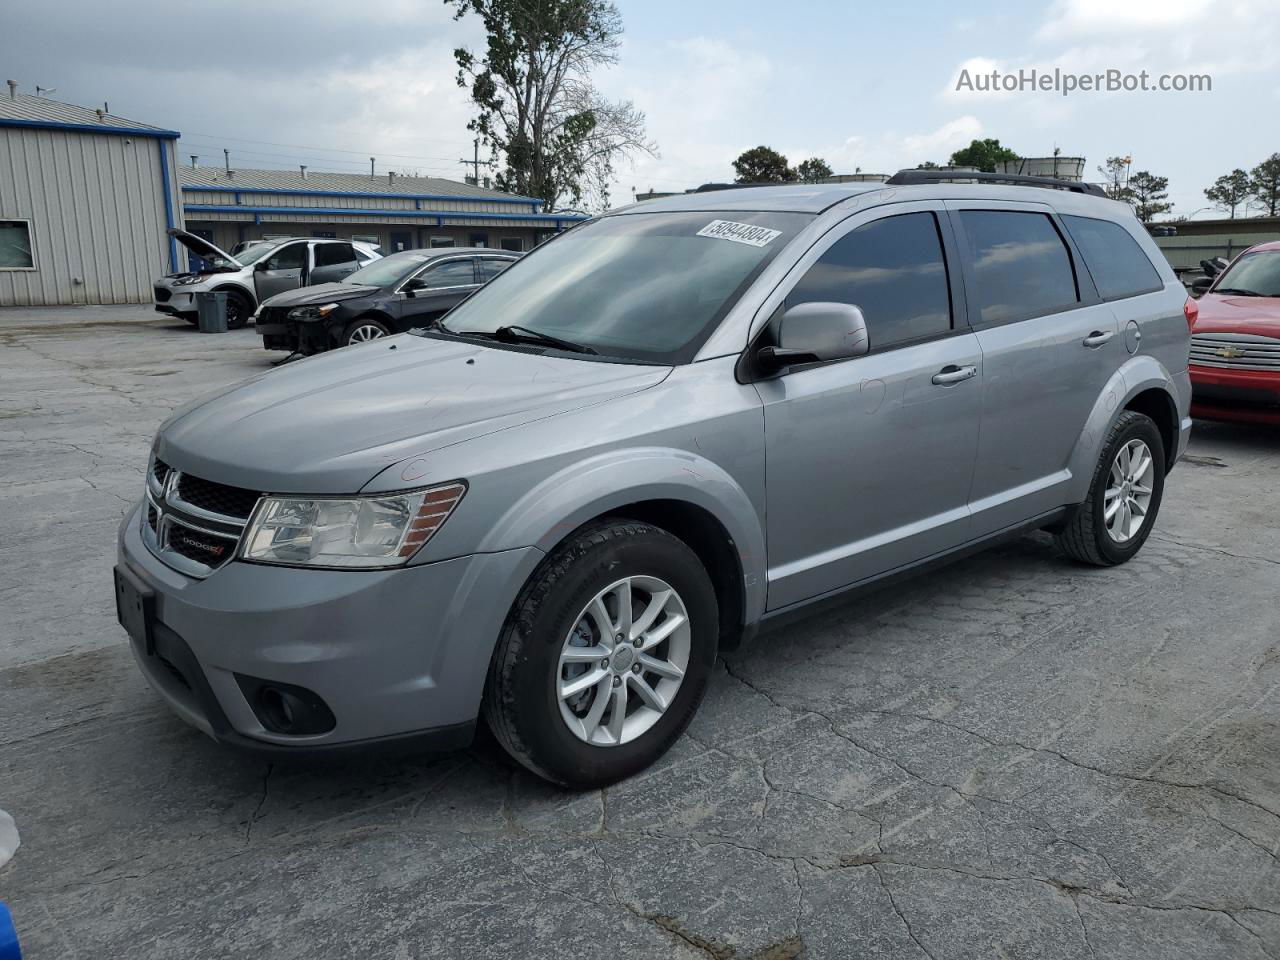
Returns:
(609, 481)
(1136, 375)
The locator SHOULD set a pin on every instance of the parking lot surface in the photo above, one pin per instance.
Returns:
(1013, 757)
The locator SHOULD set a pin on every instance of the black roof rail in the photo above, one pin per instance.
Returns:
(905, 177)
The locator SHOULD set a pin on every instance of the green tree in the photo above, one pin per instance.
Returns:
(1116, 172)
(927, 165)
(1264, 184)
(813, 170)
(763, 165)
(1229, 191)
(551, 133)
(1149, 195)
(983, 154)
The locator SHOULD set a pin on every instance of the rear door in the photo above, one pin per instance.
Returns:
(869, 460)
(333, 262)
(281, 270)
(445, 284)
(1049, 345)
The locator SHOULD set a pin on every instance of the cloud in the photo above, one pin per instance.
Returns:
(1092, 18)
(891, 151)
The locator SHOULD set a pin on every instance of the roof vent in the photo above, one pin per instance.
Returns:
(303, 168)
(13, 89)
(102, 116)
(391, 178)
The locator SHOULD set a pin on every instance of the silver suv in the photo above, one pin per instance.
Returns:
(653, 436)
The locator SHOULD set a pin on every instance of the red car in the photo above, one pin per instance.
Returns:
(1235, 341)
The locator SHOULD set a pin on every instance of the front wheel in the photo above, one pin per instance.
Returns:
(239, 310)
(1124, 498)
(364, 330)
(605, 656)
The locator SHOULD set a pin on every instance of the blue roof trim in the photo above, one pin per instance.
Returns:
(441, 215)
(91, 128)
(287, 191)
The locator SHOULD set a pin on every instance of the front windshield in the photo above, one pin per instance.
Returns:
(256, 252)
(387, 271)
(649, 287)
(1254, 274)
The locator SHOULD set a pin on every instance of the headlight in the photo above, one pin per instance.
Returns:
(312, 313)
(186, 281)
(383, 530)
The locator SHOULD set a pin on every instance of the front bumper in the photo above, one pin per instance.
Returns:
(178, 303)
(394, 654)
(1251, 396)
(280, 333)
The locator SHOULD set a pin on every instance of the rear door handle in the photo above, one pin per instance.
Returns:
(1098, 338)
(953, 374)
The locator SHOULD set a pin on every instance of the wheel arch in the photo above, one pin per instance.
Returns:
(237, 288)
(684, 494)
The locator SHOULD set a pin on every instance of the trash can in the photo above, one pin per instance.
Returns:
(211, 312)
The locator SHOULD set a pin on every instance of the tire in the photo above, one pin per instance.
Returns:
(239, 310)
(1090, 536)
(363, 330)
(522, 702)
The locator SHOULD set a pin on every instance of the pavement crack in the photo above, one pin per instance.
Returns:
(1205, 548)
(898, 910)
(253, 817)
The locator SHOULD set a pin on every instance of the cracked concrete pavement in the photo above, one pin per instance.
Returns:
(1014, 756)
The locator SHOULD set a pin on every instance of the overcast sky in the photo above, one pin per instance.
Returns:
(331, 83)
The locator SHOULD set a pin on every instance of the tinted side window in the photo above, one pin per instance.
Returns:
(1115, 261)
(292, 257)
(1021, 265)
(893, 269)
(334, 254)
(490, 267)
(455, 273)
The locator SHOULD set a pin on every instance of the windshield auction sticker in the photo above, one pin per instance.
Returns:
(740, 233)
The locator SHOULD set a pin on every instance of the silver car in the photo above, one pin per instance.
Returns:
(660, 432)
(257, 270)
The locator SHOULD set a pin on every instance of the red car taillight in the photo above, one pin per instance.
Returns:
(1191, 310)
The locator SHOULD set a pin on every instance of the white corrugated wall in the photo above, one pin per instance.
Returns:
(97, 209)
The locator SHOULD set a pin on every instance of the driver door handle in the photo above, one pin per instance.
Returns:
(1098, 338)
(953, 374)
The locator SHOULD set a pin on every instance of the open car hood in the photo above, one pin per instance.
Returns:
(202, 248)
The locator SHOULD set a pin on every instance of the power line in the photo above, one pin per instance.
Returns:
(304, 146)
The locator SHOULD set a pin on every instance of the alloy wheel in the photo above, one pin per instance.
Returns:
(366, 332)
(1127, 497)
(623, 661)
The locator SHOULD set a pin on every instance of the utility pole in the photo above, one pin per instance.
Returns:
(475, 162)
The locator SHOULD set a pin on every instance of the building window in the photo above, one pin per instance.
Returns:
(442, 241)
(478, 240)
(370, 238)
(513, 243)
(15, 245)
(324, 234)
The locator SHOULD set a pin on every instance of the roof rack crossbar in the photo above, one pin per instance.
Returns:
(905, 177)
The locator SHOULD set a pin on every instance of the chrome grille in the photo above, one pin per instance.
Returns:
(1235, 351)
(193, 525)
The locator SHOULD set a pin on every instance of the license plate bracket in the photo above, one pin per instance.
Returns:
(136, 608)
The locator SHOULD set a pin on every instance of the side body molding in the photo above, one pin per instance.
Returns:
(612, 480)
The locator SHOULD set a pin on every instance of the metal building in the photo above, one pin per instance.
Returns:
(229, 205)
(85, 200)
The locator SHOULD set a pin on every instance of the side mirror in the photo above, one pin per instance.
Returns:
(814, 332)
(411, 288)
(1200, 285)
(261, 267)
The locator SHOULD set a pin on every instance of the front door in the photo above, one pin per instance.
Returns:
(869, 460)
(282, 270)
(1048, 347)
(436, 290)
(401, 240)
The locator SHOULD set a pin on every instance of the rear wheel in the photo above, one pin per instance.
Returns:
(1124, 497)
(605, 656)
(364, 330)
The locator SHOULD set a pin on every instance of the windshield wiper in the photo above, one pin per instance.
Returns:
(1238, 292)
(518, 334)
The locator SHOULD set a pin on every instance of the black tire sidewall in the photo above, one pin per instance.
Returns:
(1144, 429)
(532, 683)
(363, 322)
(246, 310)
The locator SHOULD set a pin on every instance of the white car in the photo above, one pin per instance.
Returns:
(260, 271)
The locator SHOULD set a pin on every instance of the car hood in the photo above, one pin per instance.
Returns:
(201, 247)
(1235, 314)
(331, 423)
(320, 293)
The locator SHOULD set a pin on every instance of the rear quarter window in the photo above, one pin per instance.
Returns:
(1117, 264)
